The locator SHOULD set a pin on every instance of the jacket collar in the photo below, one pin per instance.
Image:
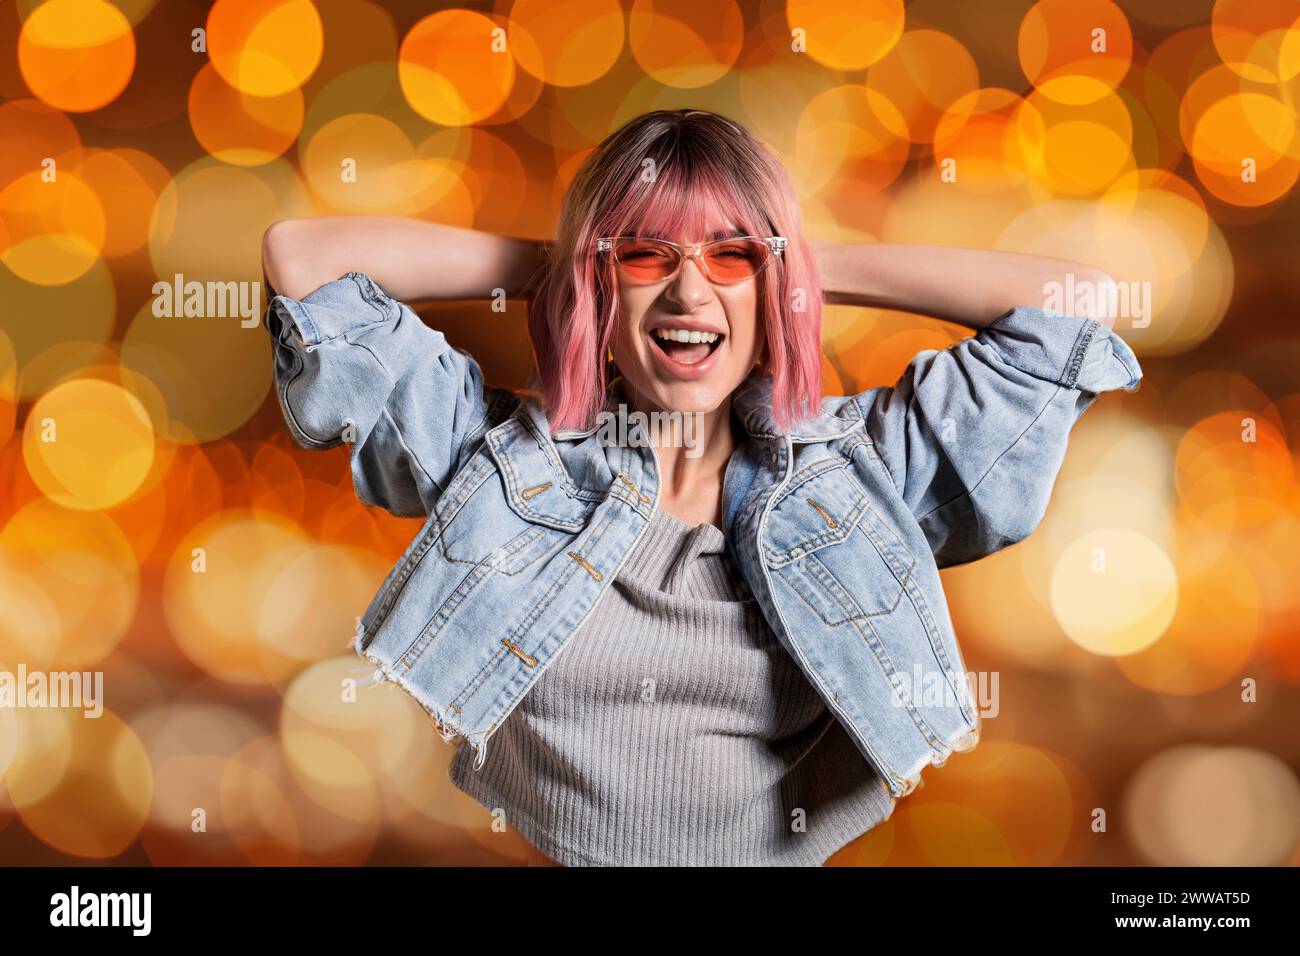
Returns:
(752, 403)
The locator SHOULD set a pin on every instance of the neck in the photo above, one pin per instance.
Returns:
(693, 449)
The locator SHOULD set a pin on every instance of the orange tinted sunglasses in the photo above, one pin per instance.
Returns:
(723, 260)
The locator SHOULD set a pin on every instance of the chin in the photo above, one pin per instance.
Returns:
(702, 396)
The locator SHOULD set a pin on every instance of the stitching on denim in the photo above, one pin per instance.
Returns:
(375, 297)
(505, 455)
(355, 325)
(518, 543)
(393, 386)
(971, 490)
(637, 503)
(817, 469)
(827, 579)
(765, 594)
(439, 522)
(439, 619)
(806, 473)
(409, 450)
(492, 417)
(813, 470)
(597, 535)
(289, 415)
(544, 604)
(488, 666)
(830, 536)
(1075, 363)
(872, 453)
(875, 449)
(397, 580)
(538, 609)
(468, 481)
(809, 582)
(546, 447)
(299, 319)
(448, 515)
(463, 490)
(446, 727)
(951, 674)
(493, 662)
(512, 492)
(907, 583)
(641, 496)
(875, 529)
(887, 665)
(522, 543)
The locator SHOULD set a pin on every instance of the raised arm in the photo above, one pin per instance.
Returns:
(411, 259)
(973, 436)
(354, 364)
(970, 287)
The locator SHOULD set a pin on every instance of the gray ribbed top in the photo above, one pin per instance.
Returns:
(674, 729)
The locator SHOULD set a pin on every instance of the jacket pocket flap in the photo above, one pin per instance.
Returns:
(538, 488)
(820, 510)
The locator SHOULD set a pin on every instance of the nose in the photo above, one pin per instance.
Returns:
(690, 286)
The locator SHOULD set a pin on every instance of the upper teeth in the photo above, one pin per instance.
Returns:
(686, 335)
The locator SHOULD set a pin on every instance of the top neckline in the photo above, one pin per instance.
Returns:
(676, 559)
(668, 515)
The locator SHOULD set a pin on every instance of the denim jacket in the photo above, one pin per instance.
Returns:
(839, 526)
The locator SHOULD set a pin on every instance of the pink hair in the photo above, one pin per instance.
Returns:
(669, 173)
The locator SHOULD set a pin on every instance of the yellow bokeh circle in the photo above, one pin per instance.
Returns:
(1114, 591)
(88, 444)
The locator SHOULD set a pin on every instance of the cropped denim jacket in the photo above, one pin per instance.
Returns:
(839, 526)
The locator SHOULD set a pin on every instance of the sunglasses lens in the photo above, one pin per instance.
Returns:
(731, 260)
(736, 259)
(646, 259)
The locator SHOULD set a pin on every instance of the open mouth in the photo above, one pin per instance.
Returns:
(686, 348)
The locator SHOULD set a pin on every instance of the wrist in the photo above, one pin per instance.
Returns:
(853, 273)
(829, 259)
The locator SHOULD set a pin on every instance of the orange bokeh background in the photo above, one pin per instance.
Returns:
(159, 527)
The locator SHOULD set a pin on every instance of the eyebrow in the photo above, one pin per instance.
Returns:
(717, 234)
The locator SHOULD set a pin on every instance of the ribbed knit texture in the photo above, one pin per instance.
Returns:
(674, 729)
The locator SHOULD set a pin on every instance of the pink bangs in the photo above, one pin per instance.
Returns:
(709, 175)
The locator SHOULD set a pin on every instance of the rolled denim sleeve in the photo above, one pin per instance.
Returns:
(355, 366)
(973, 436)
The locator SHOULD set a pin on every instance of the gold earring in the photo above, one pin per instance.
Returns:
(609, 351)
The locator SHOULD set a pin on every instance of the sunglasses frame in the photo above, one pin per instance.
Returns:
(776, 244)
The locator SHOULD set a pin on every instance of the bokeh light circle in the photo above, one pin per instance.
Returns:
(266, 48)
(88, 444)
(76, 55)
(1114, 591)
(453, 70)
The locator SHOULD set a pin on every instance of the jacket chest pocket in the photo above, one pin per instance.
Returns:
(834, 550)
(477, 526)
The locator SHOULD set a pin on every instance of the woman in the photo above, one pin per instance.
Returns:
(688, 722)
